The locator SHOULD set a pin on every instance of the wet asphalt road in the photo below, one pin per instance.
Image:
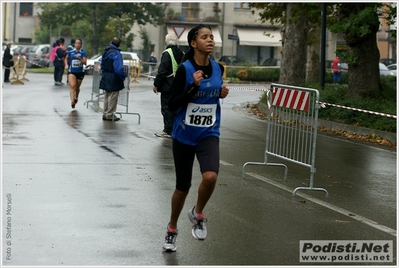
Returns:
(78, 191)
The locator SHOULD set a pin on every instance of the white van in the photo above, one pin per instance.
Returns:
(128, 58)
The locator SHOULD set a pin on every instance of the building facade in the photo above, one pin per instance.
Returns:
(237, 31)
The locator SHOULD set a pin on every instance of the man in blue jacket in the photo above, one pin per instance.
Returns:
(113, 76)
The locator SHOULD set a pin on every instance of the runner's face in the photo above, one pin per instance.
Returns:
(204, 40)
(78, 44)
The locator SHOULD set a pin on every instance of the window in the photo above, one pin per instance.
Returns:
(24, 40)
(26, 9)
(241, 6)
(190, 10)
(126, 56)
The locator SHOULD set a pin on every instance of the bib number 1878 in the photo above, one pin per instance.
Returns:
(202, 120)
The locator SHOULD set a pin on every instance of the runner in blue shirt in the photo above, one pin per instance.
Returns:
(74, 62)
(195, 94)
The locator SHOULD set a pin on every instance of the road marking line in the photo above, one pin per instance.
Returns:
(342, 211)
(225, 163)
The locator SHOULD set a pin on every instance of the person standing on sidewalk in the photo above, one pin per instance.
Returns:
(112, 78)
(336, 69)
(74, 62)
(8, 62)
(170, 59)
(153, 62)
(195, 95)
(59, 63)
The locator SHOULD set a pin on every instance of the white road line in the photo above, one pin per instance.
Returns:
(342, 211)
(225, 163)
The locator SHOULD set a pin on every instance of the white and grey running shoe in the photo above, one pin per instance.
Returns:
(199, 228)
(170, 241)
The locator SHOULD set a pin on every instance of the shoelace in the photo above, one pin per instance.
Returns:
(170, 237)
(200, 223)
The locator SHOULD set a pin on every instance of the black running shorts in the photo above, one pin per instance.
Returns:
(207, 152)
(79, 76)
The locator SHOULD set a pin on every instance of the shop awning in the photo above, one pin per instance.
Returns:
(183, 38)
(259, 37)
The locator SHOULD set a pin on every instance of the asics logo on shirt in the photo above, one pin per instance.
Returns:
(202, 110)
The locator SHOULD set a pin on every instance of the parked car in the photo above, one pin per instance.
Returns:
(388, 61)
(17, 50)
(34, 55)
(12, 49)
(45, 59)
(392, 67)
(271, 62)
(126, 56)
(344, 66)
(88, 68)
(233, 60)
(384, 71)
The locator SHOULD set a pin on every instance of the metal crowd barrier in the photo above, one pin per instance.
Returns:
(95, 89)
(123, 98)
(124, 94)
(292, 129)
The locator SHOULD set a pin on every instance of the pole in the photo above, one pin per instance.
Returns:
(323, 46)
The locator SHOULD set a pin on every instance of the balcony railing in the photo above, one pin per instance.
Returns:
(195, 14)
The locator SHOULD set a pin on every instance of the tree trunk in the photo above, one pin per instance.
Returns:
(95, 42)
(293, 71)
(313, 56)
(364, 73)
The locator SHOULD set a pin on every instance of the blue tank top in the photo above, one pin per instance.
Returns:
(75, 65)
(200, 117)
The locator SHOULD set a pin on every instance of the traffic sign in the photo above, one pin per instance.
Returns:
(179, 30)
(232, 37)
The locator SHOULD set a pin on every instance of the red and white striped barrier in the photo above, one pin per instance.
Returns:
(322, 104)
(291, 98)
(36, 64)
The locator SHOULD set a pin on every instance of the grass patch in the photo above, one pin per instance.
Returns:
(338, 94)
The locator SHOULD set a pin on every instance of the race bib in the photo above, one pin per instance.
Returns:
(200, 115)
(76, 63)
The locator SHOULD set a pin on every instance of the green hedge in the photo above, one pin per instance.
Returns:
(337, 94)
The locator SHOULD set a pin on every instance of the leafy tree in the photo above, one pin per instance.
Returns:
(359, 23)
(99, 22)
(300, 29)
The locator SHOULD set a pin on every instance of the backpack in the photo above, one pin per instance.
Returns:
(53, 53)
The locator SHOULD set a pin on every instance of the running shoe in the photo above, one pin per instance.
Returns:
(73, 104)
(163, 134)
(199, 228)
(170, 241)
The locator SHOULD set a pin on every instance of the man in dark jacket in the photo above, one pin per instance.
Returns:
(170, 60)
(7, 62)
(112, 78)
(59, 64)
